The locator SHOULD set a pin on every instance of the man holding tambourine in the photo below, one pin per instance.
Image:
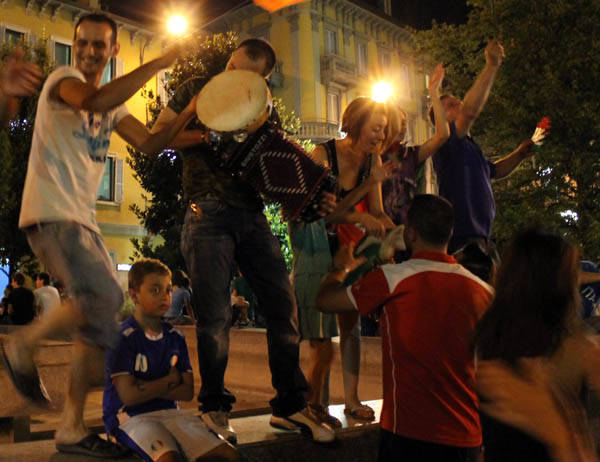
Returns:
(225, 226)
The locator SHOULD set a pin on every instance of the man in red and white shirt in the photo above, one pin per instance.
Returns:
(430, 307)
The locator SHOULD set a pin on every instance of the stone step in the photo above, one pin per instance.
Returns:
(258, 442)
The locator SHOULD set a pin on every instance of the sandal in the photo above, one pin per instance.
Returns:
(94, 446)
(363, 412)
(322, 413)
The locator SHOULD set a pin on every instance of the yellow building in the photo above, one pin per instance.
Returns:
(54, 20)
(331, 51)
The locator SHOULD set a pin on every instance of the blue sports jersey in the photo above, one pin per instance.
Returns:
(144, 358)
(590, 293)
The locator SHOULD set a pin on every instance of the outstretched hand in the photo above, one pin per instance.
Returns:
(18, 77)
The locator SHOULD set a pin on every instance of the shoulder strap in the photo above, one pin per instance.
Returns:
(331, 156)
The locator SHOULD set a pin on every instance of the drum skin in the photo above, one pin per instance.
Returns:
(234, 101)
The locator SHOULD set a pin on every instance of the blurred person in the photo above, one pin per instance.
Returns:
(20, 302)
(180, 311)
(535, 313)
(74, 121)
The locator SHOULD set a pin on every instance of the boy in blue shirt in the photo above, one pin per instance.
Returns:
(148, 372)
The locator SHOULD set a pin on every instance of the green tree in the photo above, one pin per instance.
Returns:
(15, 143)
(160, 176)
(549, 69)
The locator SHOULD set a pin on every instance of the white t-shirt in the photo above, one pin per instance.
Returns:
(67, 159)
(47, 298)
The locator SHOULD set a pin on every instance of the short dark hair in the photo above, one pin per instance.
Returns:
(19, 278)
(256, 49)
(432, 217)
(430, 114)
(98, 18)
(44, 277)
(143, 267)
(180, 279)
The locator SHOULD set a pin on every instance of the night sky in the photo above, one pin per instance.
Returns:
(415, 13)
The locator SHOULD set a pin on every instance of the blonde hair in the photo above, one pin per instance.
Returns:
(358, 113)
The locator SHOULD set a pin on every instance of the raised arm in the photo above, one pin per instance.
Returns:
(477, 96)
(442, 129)
(18, 78)
(86, 96)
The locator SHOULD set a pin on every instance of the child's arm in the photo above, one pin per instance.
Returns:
(185, 390)
(134, 391)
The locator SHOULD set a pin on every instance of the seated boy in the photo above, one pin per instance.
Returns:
(148, 372)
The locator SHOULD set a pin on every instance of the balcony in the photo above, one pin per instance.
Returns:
(335, 69)
(318, 130)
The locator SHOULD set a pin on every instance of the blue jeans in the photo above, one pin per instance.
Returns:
(214, 239)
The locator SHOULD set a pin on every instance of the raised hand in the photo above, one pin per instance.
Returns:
(436, 79)
(494, 53)
(18, 77)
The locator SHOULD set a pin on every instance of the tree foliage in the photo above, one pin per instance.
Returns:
(550, 69)
(15, 144)
(161, 177)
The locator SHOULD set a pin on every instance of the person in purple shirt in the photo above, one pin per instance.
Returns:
(464, 173)
(399, 191)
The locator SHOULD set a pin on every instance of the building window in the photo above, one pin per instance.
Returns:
(333, 107)
(331, 42)
(362, 59)
(13, 37)
(111, 185)
(62, 54)
(404, 80)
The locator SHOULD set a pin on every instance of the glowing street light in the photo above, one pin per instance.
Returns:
(382, 91)
(177, 25)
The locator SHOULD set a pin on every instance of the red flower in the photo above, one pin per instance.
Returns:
(544, 123)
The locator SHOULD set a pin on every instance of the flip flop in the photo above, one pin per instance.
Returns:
(94, 446)
(363, 412)
(30, 386)
(322, 413)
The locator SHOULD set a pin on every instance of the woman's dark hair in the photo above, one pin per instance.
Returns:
(535, 306)
(180, 279)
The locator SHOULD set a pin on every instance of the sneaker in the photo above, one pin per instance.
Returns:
(308, 424)
(218, 422)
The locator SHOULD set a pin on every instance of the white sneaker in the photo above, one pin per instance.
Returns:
(307, 423)
(218, 422)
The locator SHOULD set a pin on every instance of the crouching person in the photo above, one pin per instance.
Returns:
(148, 372)
(430, 307)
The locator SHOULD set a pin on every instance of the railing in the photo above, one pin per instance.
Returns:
(318, 130)
(336, 69)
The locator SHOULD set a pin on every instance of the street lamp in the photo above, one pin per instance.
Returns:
(177, 25)
(382, 91)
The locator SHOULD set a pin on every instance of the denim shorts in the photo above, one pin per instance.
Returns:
(76, 256)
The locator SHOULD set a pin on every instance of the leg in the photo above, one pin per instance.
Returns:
(208, 251)
(86, 359)
(321, 356)
(350, 353)
(261, 262)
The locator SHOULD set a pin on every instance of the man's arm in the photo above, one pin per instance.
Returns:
(185, 138)
(86, 96)
(477, 96)
(152, 143)
(333, 296)
(175, 385)
(442, 129)
(18, 78)
(509, 163)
